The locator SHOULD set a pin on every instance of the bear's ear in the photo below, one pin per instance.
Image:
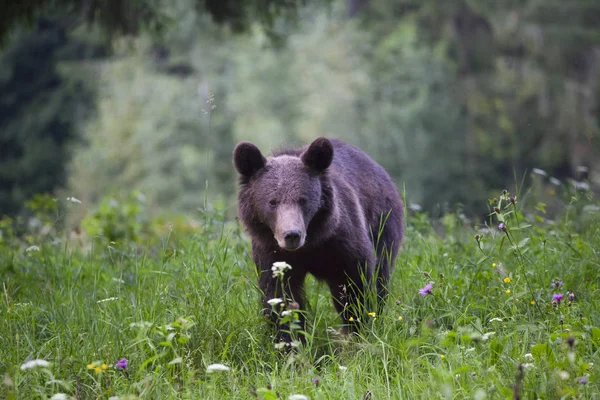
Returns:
(247, 158)
(319, 154)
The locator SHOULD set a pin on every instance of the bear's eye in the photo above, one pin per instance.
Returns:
(273, 203)
(302, 201)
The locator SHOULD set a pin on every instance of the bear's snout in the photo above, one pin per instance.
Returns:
(290, 231)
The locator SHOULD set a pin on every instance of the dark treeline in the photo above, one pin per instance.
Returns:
(457, 99)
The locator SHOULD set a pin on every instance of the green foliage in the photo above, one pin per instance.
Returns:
(184, 311)
(42, 102)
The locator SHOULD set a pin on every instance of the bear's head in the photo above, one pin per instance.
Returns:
(284, 192)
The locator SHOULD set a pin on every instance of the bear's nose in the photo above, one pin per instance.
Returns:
(292, 239)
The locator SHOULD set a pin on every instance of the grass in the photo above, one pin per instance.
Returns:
(176, 301)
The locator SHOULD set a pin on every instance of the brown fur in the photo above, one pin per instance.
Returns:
(319, 208)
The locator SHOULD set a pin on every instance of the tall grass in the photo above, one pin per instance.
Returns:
(177, 300)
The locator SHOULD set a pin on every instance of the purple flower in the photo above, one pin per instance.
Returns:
(501, 226)
(557, 298)
(583, 380)
(571, 296)
(122, 363)
(426, 290)
(557, 284)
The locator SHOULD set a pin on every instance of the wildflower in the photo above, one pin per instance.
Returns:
(216, 367)
(107, 299)
(554, 181)
(507, 280)
(351, 319)
(400, 318)
(442, 356)
(98, 369)
(274, 301)
(532, 302)
(557, 283)
(426, 290)
(279, 268)
(496, 319)
(505, 192)
(502, 227)
(564, 375)
(59, 396)
(122, 363)
(528, 365)
(571, 296)
(104, 366)
(34, 363)
(32, 248)
(583, 380)
(342, 368)
(280, 345)
(286, 313)
(315, 381)
(529, 356)
(539, 171)
(493, 265)
(298, 397)
(507, 291)
(371, 314)
(73, 200)
(496, 210)
(557, 298)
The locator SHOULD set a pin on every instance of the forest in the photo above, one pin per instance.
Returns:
(454, 99)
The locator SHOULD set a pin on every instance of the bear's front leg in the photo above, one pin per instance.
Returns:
(352, 291)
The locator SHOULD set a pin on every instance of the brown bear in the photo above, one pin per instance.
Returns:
(326, 209)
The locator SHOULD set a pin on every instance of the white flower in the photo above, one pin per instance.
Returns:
(540, 172)
(274, 301)
(554, 181)
(529, 357)
(73, 200)
(119, 280)
(487, 335)
(342, 368)
(216, 367)
(59, 396)
(279, 268)
(107, 299)
(281, 345)
(496, 319)
(286, 313)
(564, 375)
(528, 365)
(298, 397)
(113, 398)
(32, 248)
(35, 363)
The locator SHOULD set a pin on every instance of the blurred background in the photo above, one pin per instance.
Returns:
(104, 99)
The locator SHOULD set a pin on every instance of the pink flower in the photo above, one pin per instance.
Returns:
(426, 290)
(122, 363)
(557, 298)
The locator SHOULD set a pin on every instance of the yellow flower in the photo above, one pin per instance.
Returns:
(97, 369)
(91, 366)
(371, 314)
(442, 356)
(400, 318)
(516, 299)
(532, 302)
(507, 291)
(351, 319)
(507, 280)
(104, 366)
(493, 265)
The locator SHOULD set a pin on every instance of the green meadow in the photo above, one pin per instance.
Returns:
(136, 306)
